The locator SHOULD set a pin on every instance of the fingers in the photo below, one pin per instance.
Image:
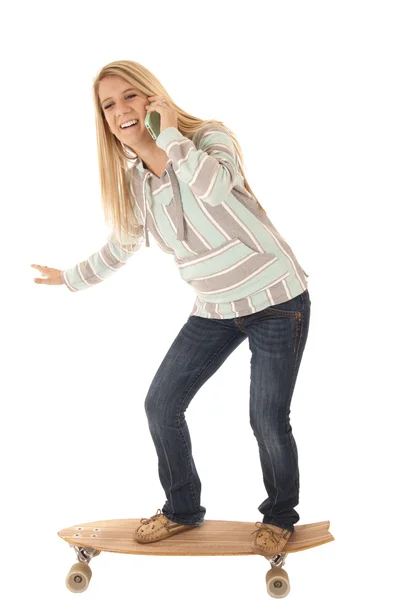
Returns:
(43, 269)
(50, 276)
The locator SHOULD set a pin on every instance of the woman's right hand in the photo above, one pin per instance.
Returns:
(53, 276)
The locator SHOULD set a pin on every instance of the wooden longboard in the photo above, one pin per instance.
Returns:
(213, 538)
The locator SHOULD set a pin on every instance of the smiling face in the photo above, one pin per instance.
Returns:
(120, 103)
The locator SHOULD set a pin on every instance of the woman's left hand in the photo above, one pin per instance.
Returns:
(168, 114)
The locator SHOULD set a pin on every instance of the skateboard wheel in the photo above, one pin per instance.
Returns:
(79, 577)
(277, 582)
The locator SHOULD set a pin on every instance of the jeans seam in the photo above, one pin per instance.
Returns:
(165, 454)
(274, 482)
(301, 321)
(298, 321)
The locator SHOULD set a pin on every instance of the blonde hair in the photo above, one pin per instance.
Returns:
(114, 157)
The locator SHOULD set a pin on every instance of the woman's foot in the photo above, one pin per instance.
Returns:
(158, 527)
(269, 539)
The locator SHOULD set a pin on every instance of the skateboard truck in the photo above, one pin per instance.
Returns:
(277, 560)
(85, 554)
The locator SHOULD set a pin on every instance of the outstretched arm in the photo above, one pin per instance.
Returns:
(100, 265)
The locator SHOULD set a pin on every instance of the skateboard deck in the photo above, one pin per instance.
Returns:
(213, 538)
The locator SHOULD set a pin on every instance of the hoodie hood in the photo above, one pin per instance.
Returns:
(177, 200)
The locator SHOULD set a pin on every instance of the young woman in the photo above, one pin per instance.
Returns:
(188, 188)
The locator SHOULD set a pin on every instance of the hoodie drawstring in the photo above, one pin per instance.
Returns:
(177, 202)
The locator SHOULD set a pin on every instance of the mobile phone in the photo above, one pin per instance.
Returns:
(152, 123)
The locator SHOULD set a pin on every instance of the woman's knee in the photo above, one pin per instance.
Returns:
(159, 405)
(152, 404)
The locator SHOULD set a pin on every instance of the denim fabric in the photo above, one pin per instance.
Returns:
(277, 336)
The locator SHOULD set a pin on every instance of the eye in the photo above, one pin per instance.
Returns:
(129, 96)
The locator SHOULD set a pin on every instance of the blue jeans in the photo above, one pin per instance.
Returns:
(277, 337)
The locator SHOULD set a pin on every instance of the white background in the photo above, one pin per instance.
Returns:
(312, 91)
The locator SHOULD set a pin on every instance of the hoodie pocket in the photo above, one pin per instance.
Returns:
(220, 274)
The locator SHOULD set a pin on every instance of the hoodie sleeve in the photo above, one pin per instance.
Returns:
(211, 169)
(100, 265)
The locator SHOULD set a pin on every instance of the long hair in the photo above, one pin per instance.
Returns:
(114, 157)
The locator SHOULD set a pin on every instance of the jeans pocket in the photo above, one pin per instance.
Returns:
(290, 307)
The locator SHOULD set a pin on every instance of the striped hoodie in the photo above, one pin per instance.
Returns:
(200, 212)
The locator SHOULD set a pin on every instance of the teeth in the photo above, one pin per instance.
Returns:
(128, 123)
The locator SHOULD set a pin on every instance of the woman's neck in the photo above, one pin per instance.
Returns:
(155, 161)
